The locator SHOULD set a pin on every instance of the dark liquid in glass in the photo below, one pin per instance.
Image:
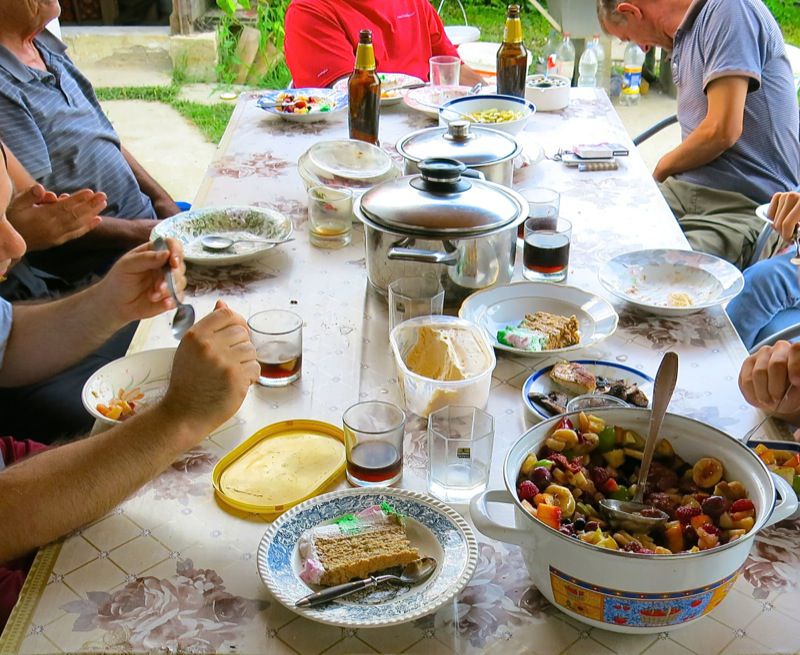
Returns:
(281, 370)
(546, 252)
(374, 461)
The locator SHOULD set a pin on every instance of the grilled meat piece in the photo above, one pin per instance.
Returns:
(554, 402)
(573, 377)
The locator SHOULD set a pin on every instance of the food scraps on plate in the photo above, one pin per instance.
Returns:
(574, 379)
(580, 465)
(291, 103)
(123, 405)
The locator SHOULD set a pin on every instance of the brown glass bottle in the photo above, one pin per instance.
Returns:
(512, 57)
(364, 89)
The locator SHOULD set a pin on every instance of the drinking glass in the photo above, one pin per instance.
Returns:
(330, 215)
(445, 70)
(590, 401)
(373, 440)
(410, 297)
(460, 452)
(277, 335)
(545, 256)
(542, 203)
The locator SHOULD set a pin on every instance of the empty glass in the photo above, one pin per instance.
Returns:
(373, 440)
(410, 297)
(460, 452)
(542, 203)
(445, 70)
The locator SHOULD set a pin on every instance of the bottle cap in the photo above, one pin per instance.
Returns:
(365, 36)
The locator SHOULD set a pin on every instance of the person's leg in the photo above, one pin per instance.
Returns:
(52, 409)
(770, 300)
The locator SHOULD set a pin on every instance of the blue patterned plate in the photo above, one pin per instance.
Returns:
(434, 528)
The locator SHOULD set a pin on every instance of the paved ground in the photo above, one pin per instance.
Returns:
(177, 154)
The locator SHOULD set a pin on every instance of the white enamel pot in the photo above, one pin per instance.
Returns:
(621, 591)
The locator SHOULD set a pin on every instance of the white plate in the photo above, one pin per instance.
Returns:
(337, 102)
(388, 81)
(646, 278)
(540, 382)
(498, 307)
(234, 222)
(434, 528)
(148, 371)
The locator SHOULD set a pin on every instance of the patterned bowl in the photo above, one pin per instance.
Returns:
(142, 377)
(334, 100)
(234, 222)
(433, 527)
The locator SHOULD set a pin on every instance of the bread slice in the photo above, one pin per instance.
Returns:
(573, 377)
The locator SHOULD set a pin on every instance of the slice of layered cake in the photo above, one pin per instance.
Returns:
(355, 546)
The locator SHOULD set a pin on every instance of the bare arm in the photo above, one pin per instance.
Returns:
(49, 337)
(469, 77)
(162, 202)
(61, 489)
(718, 131)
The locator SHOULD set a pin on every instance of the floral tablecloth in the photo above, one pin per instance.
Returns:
(171, 570)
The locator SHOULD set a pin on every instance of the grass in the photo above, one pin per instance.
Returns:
(211, 120)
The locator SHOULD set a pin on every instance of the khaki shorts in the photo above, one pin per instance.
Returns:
(721, 223)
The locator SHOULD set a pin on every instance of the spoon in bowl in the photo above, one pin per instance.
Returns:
(412, 574)
(218, 243)
(184, 314)
(635, 515)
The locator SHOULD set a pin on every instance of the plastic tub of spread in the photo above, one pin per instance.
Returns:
(280, 466)
(442, 360)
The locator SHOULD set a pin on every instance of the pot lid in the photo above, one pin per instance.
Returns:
(441, 201)
(460, 140)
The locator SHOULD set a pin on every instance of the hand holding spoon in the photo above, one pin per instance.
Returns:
(184, 314)
(628, 514)
(413, 574)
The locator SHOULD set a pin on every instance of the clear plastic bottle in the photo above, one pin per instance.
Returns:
(566, 58)
(631, 75)
(595, 45)
(587, 68)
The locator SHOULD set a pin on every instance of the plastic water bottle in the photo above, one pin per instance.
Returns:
(566, 58)
(595, 45)
(631, 75)
(587, 68)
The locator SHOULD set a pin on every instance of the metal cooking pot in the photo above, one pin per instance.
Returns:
(438, 222)
(480, 148)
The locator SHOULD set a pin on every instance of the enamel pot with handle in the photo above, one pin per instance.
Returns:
(441, 222)
(629, 592)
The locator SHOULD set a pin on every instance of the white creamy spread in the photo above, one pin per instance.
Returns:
(447, 354)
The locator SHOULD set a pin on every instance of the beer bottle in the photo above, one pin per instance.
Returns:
(512, 57)
(364, 89)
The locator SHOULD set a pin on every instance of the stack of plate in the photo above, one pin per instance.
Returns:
(346, 163)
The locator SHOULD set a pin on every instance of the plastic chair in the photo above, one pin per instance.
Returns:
(459, 34)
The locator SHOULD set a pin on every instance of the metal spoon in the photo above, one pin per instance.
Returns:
(184, 314)
(627, 514)
(413, 574)
(218, 243)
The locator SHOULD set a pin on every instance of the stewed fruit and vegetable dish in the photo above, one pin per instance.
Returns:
(580, 465)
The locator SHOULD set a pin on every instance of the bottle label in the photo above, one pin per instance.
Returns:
(631, 79)
(512, 33)
(365, 57)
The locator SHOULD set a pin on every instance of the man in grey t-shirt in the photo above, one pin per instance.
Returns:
(737, 109)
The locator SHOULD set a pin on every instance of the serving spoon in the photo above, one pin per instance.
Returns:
(218, 243)
(412, 574)
(627, 515)
(184, 314)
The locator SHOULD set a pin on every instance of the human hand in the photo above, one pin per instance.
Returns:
(660, 172)
(135, 287)
(784, 209)
(213, 369)
(766, 375)
(45, 220)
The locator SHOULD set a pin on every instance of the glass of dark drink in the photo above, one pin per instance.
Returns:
(545, 255)
(373, 439)
(277, 335)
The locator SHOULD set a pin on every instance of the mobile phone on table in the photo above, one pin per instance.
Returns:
(600, 151)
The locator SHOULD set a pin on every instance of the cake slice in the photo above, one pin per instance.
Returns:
(561, 332)
(521, 338)
(573, 377)
(355, 546)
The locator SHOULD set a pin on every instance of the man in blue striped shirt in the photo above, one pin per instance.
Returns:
(737, 109)
(51, 120)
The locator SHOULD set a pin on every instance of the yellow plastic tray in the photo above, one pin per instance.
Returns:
(281, 474)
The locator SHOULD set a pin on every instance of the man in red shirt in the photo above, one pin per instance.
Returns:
(322, 35)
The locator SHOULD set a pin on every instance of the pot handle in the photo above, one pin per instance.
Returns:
(786, 505)
(423, 256)
(471, 172)
(479, 512)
